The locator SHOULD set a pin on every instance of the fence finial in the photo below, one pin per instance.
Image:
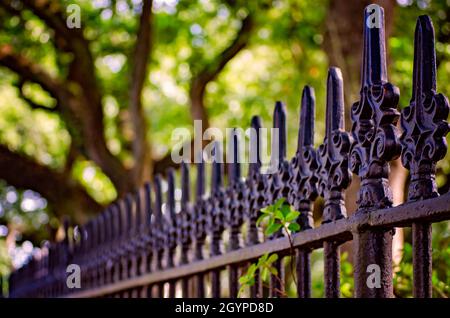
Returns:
(139, 211)
(333, 173)
(171, 220)
(374, 57)
(424, 120)
(234, 168)
(130, 215)
(158, 224)
(216, 213)
(185, 228)
(304, 179)
(255, 146)
(279, 122)
(235, 194)
(374, 119)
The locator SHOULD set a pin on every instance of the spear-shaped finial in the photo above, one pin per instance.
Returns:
(333, 173)
(255, 145)
(234, 168)
(424, 120)
(304, 189)
(217, 168)
(279, 122)
(148, 209)
(171, 194)
(130, 213)
(158, 225)
(171, 229)
(185, 185)
(307, 118)
(374, 49)
(374, 118)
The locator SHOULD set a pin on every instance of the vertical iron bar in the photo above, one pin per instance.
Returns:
(425, 126)
(333, 175)
(185, 227)
(171, 227)
(303, 183)
(375, 143)
(199, 221)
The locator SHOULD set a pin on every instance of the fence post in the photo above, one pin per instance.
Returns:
(158, 230)
(216, 215)
(199, 223)
(236, 195)
(171, 219)
(333, 175)
(147, 237)
(423, 145)
(185, 226)
(278, 160)
(254, 197)
(303, 189)
(375, 143)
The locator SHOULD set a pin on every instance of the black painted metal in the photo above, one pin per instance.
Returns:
(333, 175)
(144, 248)
(423, 140)
(375, 143)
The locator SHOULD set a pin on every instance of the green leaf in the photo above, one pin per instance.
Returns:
(264, 274)
(273, 270)
(293, 215)
(294, 227)
(279, 203)
(243, 280)
(279, 215)
(272, 258)
(260, 219)
(264, 257)
(265, 210)
(241, 291)
(273, 228)
(285, 210)
(251, 270)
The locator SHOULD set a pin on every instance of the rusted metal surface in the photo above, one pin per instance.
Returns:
(155, 243)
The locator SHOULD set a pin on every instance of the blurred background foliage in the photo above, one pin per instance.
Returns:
(286, 49)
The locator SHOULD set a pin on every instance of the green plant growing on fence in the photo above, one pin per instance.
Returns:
(403, 272)
(275, 217)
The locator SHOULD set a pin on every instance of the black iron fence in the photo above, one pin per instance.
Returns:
(143, 247)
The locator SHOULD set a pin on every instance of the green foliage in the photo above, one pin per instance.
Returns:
(403, 273)
(278, 216)
(264, 267)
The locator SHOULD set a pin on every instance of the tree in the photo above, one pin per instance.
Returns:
(80, 98)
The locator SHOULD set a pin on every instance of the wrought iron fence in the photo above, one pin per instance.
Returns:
(143, 247)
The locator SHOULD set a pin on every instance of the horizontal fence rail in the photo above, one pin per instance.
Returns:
(157, 243)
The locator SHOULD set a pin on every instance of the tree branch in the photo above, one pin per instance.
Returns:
(28, 71)
(210, 72)
(140, 61)
(199, 82)
(64, 194)
(84, 101)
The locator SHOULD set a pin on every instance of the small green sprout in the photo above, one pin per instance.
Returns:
(278, 216)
